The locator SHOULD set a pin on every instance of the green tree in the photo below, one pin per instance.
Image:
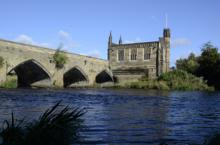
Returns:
(59, 58)
(189, 64)
(209, 66)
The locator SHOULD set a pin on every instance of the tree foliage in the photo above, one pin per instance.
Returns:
(207, 65)
(59, 58)
(189, 64)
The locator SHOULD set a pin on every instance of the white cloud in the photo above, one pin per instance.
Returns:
(133, 41)
(66, 40)
(69, 44)
(94, 53)
(24, 39)
(63, 34)
(180, 42)
(29, 40)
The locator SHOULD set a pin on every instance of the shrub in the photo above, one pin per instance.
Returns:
(174, 80)
(59, 58)
(181, 80)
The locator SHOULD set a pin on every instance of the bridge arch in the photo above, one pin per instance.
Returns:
(29, 72)
(73, 76)
(103, 77)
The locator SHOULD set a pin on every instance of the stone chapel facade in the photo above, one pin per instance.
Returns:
(135, 60)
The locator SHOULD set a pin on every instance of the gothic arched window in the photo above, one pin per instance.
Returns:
(120, 54)
(147, 53)
(134, 54)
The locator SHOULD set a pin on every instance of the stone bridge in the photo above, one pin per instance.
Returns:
(34, 66)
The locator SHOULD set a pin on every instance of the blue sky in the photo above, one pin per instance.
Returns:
(83, 26)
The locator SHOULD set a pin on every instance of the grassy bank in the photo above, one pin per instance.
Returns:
(175, 80)
(9, 84)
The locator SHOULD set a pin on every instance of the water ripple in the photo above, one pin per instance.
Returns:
(126, 116)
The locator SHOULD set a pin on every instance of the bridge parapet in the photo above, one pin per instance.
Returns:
(32, 64)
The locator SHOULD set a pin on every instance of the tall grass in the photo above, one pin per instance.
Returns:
(12, 133)
(57, 126)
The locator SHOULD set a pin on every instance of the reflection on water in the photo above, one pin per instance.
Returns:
(126, 116)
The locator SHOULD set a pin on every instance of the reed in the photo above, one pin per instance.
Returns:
(58, 125)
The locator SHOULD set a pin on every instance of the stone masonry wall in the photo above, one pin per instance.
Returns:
(133, 69)
(16, 53)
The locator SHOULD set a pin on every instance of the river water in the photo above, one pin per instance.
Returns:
(126, 116)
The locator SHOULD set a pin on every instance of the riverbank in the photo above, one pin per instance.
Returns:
(174, 80)
(10, 83)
